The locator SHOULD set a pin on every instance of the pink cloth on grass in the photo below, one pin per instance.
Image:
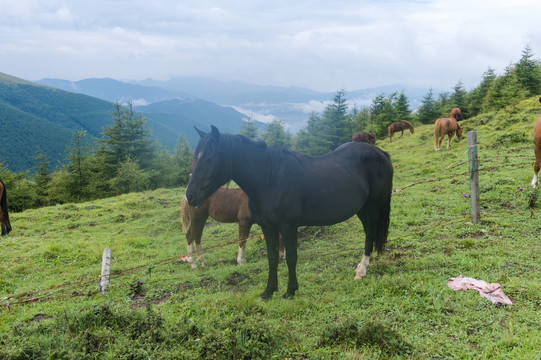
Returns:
(490, 291)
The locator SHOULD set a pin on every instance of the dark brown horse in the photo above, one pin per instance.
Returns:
(4, 215)
(364, 137)
(446, 126)
(457, 114)
(226, 205)
(537, 149)
(399, 126)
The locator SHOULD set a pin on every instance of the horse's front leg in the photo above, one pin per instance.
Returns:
(401, 134)
(449, 137)
(289, 238)
(271, 239)
(194, 234)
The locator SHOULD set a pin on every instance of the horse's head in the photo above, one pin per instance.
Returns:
(457, 114)
(209, 169)
(458, 132)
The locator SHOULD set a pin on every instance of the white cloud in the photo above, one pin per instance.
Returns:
(320, 45)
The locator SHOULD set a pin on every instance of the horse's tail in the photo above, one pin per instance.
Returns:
(436, 133)
(408, 124)
(4, 202)
(382, 229)
(184, 214)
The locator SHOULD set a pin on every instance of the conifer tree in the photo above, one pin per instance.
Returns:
(426, 113)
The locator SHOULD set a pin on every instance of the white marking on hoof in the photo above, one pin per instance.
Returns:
(534, 181)
(240, 257)
(360, 271)
(190, 257)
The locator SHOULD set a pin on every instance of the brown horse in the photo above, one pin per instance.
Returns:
(537, 149)
(399, 126)
(4, 215)
(364, 137)
(457, 114)
(226, 205)
(446, 126)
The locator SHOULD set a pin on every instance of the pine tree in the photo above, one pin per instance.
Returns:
(275, 134)
(477, 96)
(528, 72)
(42, 177)
(248, 129)
(426, 113)
(458, 99)
(127, 138)
(77, 167)
(402, 107)
(182, 158)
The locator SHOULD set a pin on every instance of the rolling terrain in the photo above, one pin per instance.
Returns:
(157, 307)
(39, 118)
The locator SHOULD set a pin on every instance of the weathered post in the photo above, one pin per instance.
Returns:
(474, 177)
(105, 270)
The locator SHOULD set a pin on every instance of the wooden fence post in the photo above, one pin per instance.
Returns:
(474, 177)
(105, 270)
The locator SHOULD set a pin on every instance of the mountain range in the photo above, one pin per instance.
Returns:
(265, 103)
(37, 118)
(42, 116)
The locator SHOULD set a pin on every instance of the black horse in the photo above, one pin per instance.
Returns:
(287, 189)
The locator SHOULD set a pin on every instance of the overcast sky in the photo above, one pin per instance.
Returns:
(322, 45)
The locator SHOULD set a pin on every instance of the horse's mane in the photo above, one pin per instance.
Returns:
(235, 145)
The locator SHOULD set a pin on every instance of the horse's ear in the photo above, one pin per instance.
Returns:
(201, 133)
(215, 132)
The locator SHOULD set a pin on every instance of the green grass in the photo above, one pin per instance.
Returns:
(402, 309)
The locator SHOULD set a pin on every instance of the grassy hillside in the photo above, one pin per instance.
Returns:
(50, 264)
(35, 117)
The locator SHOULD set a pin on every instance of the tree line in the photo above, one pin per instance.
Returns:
(337, 123)
(127, 159)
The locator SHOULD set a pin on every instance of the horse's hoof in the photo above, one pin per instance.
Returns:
(241, 262)
(287, 296)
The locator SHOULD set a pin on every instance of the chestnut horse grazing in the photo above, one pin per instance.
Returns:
(4, 216)
(457, 114)
(399, 126)
(446, 126)
(226, 205)
(364, 137)
(287, 189)
(537, 149)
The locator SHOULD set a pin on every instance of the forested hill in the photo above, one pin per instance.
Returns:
(41, 119)
(36, 118)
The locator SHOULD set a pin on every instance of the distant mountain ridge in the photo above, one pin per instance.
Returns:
(292, 104)
(41, 118)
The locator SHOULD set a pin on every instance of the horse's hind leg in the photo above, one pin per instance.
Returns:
(195, 232)
(537, 166)
(244, 232)
(289, 237)
(375, 219)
